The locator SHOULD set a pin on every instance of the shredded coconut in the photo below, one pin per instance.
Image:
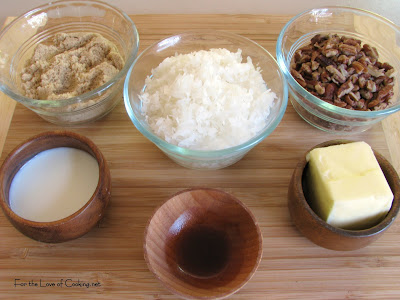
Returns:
(206, 100)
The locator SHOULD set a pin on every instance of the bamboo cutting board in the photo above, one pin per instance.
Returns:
(108, 263)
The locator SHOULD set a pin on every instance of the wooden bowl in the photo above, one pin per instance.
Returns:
(76, 224)
(203, 244)
(320, 232)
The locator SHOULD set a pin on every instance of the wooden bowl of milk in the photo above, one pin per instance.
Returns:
(55, 186)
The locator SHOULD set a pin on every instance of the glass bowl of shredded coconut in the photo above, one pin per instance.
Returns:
(205, 98)
(67, 60)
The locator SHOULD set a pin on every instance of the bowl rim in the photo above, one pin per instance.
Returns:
(247, 145)
(384, 224)
(37, 103)
(236, 200)
(35, 139)
(310, 97)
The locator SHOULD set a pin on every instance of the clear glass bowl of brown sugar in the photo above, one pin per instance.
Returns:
(88, 80)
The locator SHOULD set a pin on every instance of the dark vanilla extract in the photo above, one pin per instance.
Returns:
(203, 251)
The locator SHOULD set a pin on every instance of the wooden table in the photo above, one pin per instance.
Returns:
(111, 256)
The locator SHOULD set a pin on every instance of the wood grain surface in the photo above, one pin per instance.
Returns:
(108, 262)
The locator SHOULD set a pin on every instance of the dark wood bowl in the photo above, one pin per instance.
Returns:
(325, 235)
(76, 224)
(203, 244)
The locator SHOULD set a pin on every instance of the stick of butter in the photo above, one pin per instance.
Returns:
(347, 187)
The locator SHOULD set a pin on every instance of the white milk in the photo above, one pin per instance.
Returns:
(54, 184)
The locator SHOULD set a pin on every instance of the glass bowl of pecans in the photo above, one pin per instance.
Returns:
(342, 66)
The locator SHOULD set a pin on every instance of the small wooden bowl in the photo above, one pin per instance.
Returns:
(203, 244)
(325, 235)
(76, 224)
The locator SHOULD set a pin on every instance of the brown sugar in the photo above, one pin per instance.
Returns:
(75, 63)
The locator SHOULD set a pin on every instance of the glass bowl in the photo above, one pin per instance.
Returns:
(194, 41)
(368, 27)
(19, 39)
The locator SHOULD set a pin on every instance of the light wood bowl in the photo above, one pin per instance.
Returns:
(76, 224)
(194, 209)
(320, 232)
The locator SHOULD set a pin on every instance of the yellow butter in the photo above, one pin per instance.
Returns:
(347, 187)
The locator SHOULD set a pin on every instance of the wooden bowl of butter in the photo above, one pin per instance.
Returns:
(55, 186)
(343, 195)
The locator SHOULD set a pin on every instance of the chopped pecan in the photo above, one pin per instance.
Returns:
(349, 101)
(351, 59)
(351, 71)
(336, 74)
(354, 96)
(348, 49)
(385, 91)
(339, 103)
(379, 80)
(381, 106)
(314, 55)
(345, 88)
(306, 67)
(343, 59)
(304, 58)
(330, 52)
(371, 86)
(389, 73)
(373, 103)
(387, 66)
(388, 80)
(307, 48)
(374, 71)
(329, 91)
(298, 78)
(358, 67)
(370, 51)
(314, 65)
(360, 104)
(343, 70)
(325, 76)
(316, 75)
(388, 97)
(367, 95)
(317, 39)
(324, 61)
(365, 61)
(351, 41)
(354, 79)
(319, 88)
(310, 84)
(362, 81)
(297, 56)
